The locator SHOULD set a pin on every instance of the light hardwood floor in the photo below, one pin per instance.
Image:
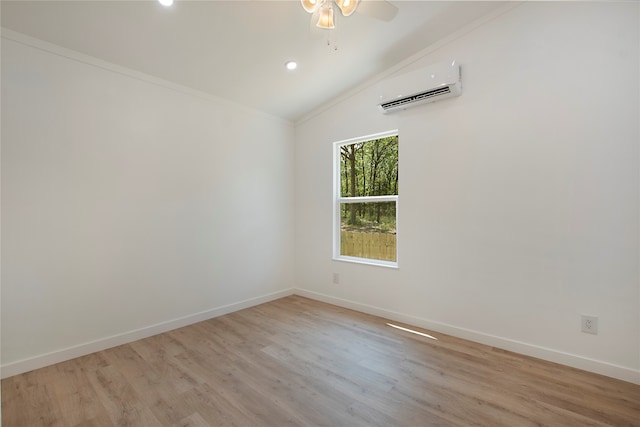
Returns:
(298, 362)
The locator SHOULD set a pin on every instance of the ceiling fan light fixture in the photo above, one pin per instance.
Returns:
(347, 7)
(326, 18)
(310, 5)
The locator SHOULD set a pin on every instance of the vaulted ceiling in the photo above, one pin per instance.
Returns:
(237, 49)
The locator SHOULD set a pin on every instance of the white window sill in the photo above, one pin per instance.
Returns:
(367, 261)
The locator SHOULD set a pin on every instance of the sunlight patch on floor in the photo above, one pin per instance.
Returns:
(422, 334)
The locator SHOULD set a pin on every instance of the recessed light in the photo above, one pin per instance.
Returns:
(291, 65)
(166, 2)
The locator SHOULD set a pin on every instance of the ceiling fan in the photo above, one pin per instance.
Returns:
(323, 10)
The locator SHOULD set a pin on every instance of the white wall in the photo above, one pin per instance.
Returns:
(519, 200)
(130, 206)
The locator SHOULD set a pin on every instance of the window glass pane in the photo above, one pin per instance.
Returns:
(368, 230)
(369, 168)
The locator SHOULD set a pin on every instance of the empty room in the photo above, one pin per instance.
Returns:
(320, 213)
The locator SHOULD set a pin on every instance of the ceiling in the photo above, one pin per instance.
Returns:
(237, 49)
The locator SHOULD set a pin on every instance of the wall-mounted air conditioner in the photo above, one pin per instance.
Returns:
(417, 87)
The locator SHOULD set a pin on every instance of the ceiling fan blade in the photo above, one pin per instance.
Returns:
(314, 31)
(379, 9)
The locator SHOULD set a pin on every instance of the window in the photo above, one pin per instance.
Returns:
(366, 199)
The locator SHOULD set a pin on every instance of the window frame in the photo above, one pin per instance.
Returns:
(338, 200)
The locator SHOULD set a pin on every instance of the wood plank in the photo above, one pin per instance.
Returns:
(299, 362)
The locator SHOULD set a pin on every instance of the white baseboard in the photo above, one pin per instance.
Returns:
(40, 361)
(596, 366)
(579, 362)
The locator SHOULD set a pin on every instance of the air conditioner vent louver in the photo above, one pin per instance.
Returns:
(421, 86)
(414, 98)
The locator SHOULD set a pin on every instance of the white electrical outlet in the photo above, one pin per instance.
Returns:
(590, 324)
(336, 279)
